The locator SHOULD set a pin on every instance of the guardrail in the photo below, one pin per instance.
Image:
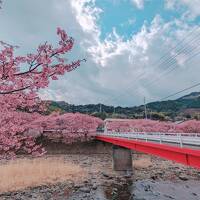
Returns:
(181, 139)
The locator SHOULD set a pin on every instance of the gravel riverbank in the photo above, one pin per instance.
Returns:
(152, 178)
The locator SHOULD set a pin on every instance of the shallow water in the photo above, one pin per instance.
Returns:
(145, 190)
(150, 190)
(165, 190)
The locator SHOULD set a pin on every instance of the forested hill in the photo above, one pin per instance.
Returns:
(185, 107)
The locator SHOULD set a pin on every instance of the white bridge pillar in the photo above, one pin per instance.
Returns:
(122, 159)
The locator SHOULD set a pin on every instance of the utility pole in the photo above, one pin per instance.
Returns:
(145, 108)
(100, 108)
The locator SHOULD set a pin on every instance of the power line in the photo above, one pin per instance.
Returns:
(187, 36)
(167, 72)
(183, 49)
(171, 60)
(173, 67)
(183, 90)
(197, 53)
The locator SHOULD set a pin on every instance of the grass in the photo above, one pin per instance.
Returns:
(23, 173)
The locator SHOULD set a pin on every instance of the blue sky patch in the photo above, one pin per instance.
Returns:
(127, 19)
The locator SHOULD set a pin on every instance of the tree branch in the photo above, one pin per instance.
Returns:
(13, 91)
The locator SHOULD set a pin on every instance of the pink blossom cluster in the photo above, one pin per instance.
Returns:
(33, 71)
(12, 138)
(190, 126)
(20, 130)
(142, 125)
(66, 128)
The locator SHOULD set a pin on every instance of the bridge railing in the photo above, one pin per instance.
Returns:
(159, 137)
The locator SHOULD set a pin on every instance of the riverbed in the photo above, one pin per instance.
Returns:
(152, 178)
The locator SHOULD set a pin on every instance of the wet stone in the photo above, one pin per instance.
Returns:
(105, 175)
(194, 194)
(94, 187)
(183, 178)
(85, 190)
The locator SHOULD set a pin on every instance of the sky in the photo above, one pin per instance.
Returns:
(134, 48)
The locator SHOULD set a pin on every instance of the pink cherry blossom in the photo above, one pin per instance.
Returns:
(20, 79)
(142, 125)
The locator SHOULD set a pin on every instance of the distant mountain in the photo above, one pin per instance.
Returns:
(191, 100)
(185, 107)
(193, 95)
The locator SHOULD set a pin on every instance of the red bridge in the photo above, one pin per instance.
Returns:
(182, 147)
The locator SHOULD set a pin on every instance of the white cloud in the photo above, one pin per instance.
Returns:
(130, 22)
(138, 3)
(192, 6)
(112, 74)
(170, 4)
(86, 15)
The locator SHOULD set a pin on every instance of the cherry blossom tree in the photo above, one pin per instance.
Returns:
(66, 128)
(142, 125)
(139, 125)
(20, 79)
(190, 126)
